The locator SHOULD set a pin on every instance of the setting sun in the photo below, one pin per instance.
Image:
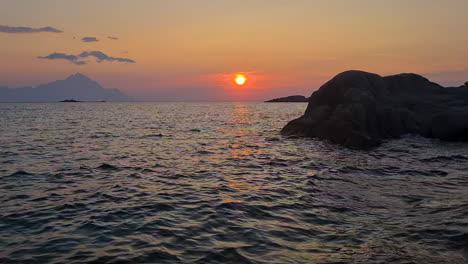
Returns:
(240, 79)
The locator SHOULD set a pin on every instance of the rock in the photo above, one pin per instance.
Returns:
(450, 126)
(359, 110)
(70, 101)
(290, 99)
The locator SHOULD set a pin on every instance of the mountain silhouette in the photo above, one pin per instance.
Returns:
(76, 87)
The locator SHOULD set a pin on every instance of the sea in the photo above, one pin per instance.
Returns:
(216, 183)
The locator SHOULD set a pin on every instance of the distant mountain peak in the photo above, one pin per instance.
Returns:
(76, 86)
(79, 77)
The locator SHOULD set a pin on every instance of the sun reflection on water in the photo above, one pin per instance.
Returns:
(242, 148)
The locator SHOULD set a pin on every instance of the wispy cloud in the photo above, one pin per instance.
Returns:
(103, 57)
(26, 30)
(89, 39)
(113, 38)
(62, 56)
(78, 59)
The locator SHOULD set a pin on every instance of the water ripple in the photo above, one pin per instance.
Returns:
(214, 183)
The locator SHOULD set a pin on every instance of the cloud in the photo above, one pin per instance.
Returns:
(113, 38)
(103, 57)
(62, 56)
(77, 59)
(89, 39)
(26, 30)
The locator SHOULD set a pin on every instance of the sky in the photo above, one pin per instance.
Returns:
(191, 50)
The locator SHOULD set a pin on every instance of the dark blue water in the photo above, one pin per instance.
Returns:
(215, 183)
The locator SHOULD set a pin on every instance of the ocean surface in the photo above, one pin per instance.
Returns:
(215, 183)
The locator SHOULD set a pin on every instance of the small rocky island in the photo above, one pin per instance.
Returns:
(290, 99)
(69, 101)
(359, 110)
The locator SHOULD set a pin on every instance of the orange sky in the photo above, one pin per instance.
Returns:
(191, 50)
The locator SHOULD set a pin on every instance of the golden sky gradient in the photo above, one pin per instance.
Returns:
(190, 48)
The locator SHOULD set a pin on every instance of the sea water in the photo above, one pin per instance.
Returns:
(216, 183)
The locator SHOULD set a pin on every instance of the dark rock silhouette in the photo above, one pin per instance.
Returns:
(77, 86)
(359, 110)
(292, 99)
(70, 101)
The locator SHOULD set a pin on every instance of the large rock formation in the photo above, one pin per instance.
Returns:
(359, 110)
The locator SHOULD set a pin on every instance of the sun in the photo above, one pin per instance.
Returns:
(240, 79)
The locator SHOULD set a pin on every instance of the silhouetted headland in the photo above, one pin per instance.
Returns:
(290, 99)
(359, 110)
(76, 101)
(70, 101)
(77, 86)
